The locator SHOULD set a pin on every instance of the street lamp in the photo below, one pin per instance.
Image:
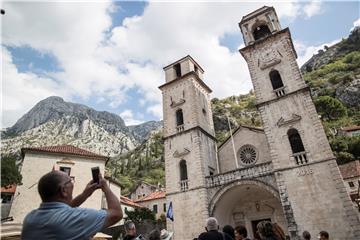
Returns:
(227, 106)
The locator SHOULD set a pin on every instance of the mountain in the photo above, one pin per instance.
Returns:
(143, 131)
(53, 121)
(330, 54)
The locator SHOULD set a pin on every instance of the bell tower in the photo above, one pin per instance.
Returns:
(311, 188)
(190, 146)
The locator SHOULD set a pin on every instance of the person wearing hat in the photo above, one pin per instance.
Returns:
(212, 230)
(165, 235)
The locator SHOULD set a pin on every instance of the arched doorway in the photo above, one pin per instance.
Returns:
(247, 203)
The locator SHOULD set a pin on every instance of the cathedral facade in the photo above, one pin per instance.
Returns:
(285, 173)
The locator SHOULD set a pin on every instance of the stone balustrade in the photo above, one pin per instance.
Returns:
(300, 158)
(280, 91)
(241, 173)
(184, 185)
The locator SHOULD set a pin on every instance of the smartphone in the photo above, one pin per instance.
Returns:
(95, 171)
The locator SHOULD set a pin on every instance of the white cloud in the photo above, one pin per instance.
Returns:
(305, 52)
(29, 88)
(128, 116)
(97, 67)
(156, 110)
(312, 8)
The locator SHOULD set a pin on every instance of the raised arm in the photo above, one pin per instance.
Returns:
(89, 189)
(114, 211)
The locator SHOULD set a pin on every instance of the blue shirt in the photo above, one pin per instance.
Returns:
(55, 220)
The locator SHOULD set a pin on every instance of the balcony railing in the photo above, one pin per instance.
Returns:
(184, 185)
(243, 173)
(300, 158)
(180, 128)
(280, 91)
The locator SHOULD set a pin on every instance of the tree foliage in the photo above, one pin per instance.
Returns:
(330, 108)
(10, 173)
(140, 214)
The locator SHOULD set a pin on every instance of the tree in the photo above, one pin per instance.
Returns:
(140, 214)
(330, 108)
(9, 172)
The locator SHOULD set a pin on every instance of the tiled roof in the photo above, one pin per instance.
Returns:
(11, 189)
(351, 128)
(65, 149)
(129, 202)
(351, 169)
(152, 196)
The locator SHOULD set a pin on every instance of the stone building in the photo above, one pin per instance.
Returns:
(284, 173)
(351, 175)
(38, 161)
(143, 189)
(156, 202)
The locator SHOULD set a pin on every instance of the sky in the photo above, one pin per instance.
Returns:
(109, 55)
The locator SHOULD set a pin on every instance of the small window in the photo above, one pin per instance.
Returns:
(183, 170)
(295, 141)
(261, 32)
(164, 207)
(276, 80)
(351, 184)
(155, 210)
(67, 170)
(177, 68)
(179, 117)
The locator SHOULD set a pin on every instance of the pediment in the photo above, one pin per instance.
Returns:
(284, 121)
(178, 103)
(182, 153)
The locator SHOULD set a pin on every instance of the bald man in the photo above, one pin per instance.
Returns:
(59, 216)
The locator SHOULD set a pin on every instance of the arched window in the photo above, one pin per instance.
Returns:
(183, 170)
(276, 80)
(295, 141)
(179, 117)
(261, 32)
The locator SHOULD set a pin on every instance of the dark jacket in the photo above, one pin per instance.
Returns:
(211, 235)
(128, 237)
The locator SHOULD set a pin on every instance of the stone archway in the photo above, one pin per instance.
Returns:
(246, 202)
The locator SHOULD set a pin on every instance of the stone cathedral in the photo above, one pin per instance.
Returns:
(285, 173)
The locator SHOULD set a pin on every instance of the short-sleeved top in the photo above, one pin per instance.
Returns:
(56, 220)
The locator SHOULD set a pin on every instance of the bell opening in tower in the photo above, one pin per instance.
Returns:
(261, 31)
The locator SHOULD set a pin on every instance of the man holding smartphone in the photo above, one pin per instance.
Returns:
(59, 216)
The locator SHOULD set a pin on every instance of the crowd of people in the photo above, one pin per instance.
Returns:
(265, 231)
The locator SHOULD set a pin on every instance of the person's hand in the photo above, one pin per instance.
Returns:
(102, 183)
(90, 188)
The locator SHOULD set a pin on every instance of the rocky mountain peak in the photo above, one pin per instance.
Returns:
(55, 108)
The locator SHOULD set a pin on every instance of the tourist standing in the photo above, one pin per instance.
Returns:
(306, 235)
(323, 235)
(59, 216)
(266, 231)
(212, 230)
(130, 230)
(240, 233)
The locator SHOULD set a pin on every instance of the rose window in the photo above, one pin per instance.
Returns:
(248, 155)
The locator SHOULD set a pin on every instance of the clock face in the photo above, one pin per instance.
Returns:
(267, 55)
